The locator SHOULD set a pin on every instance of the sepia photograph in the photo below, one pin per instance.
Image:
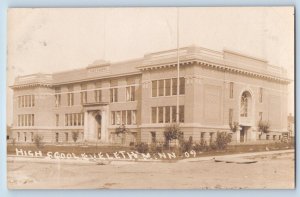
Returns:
(150, 98)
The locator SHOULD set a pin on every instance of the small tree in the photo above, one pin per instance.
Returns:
(223, 139)
(122, 130)
(37, 139)
(142, 147)
(234, 126)
(75, 135)
(263, 127)
(172, 132)
(186, 146)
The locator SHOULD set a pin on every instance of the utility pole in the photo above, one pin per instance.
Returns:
(177, 104)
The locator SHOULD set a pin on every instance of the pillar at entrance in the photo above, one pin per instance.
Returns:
(91, 125)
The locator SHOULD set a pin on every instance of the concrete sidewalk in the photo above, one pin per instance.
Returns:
(89, 161)
(241, 155)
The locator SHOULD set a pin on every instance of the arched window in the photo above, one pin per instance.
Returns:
(245, 100)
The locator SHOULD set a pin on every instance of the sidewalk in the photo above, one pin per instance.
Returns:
(196, 159)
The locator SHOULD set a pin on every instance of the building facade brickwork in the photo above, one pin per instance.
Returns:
(140, 95)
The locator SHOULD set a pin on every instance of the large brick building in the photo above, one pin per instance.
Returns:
(215, 88)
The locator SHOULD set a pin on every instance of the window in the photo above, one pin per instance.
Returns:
(181, 113)
(129, 118)
(154, 88)
(26, 120)
(167, 114)
(161, 88)
(153, 137)
(98, 96)
(57, 97)
(32, 137)
(57, 120)
(18, 137)
(231, 90)
(230, 115)
(133, 117)
(83, 94)
(244, 105)
(112, 117)
(202, 136)
(25, 136)
(182, 85)
(174, 114)
(67, 137)
(32, 119)
(70, 96)
(260, 95)
(167, 87)
(124, 117)
(174, 86)
(56, 137)
(154, 114)
(74, 119)
(130, 93)
(113, 95)
(32, 100)
(66, 120)
(26, 101)
(118, 117)
(160, 114)
(260, 116)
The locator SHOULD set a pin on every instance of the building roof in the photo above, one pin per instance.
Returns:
(226, 60)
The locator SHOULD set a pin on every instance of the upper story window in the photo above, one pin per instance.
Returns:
(113, 91)
(113, 95)
(260, 95)
(57, 97)
(231, 90)
(98, 92)
(154, 88)
(70, 96)
(245, 104)
(25, 120)
(168, 87)
(26, 101)
(130, 93)
(83, 94)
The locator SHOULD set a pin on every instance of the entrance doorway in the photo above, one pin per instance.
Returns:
(244, 133)
(98, 120)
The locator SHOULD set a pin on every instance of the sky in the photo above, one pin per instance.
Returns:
(52, 40)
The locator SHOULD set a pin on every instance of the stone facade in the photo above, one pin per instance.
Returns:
(140, 97)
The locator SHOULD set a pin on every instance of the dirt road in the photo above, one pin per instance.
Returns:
(271, 171)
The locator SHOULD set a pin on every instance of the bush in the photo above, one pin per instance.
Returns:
(263, 126)
(75, 135)
(202, 146)
(223, 139)
(38, 140)
(142, 147)
(186, 146)
(156, 148)
(172, 132)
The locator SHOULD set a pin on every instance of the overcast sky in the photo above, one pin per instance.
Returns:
(51, 40)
